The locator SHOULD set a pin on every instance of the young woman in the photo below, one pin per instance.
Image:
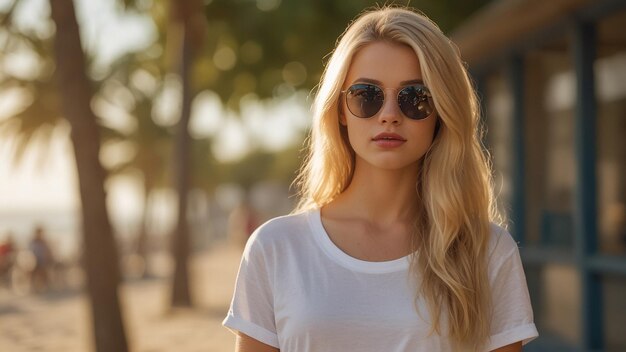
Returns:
(393, 245)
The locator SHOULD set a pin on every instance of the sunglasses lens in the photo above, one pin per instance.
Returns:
(364, 100)
(414, 102)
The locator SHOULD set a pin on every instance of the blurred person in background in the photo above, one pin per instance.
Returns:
(7, 260)
(43, 260)
(394, 245)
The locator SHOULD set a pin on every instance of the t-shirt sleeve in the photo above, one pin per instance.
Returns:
(252, 308)
(512, 319)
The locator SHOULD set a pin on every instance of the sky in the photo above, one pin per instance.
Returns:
(109, 34)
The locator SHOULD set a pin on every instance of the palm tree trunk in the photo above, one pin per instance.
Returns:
(100, 253)
(180, 288)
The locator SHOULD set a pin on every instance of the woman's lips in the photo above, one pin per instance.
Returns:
(388, 140)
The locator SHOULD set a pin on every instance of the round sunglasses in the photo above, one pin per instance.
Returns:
(364, 100)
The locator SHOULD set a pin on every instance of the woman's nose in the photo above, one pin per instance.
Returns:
(390, 111)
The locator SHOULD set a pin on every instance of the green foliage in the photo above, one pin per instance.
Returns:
(35, 123)
(270, 53)
(41, 111)
(152, 143)
(273, 51)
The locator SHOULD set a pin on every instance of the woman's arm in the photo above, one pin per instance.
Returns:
(246, 343)
(514, 347)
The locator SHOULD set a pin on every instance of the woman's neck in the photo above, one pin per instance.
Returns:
(385, 196)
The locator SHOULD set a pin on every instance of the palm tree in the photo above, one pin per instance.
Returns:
(185, 38)
(69, 96)
(100, 253)
(39, 119)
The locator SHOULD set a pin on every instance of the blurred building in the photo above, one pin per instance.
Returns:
(552, 80)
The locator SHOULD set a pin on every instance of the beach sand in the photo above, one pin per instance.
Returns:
(59, 321)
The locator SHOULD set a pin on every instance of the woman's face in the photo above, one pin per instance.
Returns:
(389, 139)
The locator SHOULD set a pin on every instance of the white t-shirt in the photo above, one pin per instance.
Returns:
(297, 291)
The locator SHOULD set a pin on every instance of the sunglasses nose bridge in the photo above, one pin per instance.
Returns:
(390, 110)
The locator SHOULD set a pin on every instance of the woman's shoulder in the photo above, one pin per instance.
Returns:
(501, 243)
(280, 229)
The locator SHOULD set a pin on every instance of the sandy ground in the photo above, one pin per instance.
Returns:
(60, 321)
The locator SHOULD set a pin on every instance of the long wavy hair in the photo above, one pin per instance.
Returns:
(454, 186)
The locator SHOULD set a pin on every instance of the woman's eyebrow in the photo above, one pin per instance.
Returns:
(377, 82)
(412, 81)
(368, 80)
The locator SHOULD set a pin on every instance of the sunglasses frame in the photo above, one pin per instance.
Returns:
(428, 95)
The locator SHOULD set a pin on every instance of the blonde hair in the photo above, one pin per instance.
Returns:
(454, 187)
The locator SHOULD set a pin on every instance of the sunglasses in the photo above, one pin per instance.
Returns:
(365, 100)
